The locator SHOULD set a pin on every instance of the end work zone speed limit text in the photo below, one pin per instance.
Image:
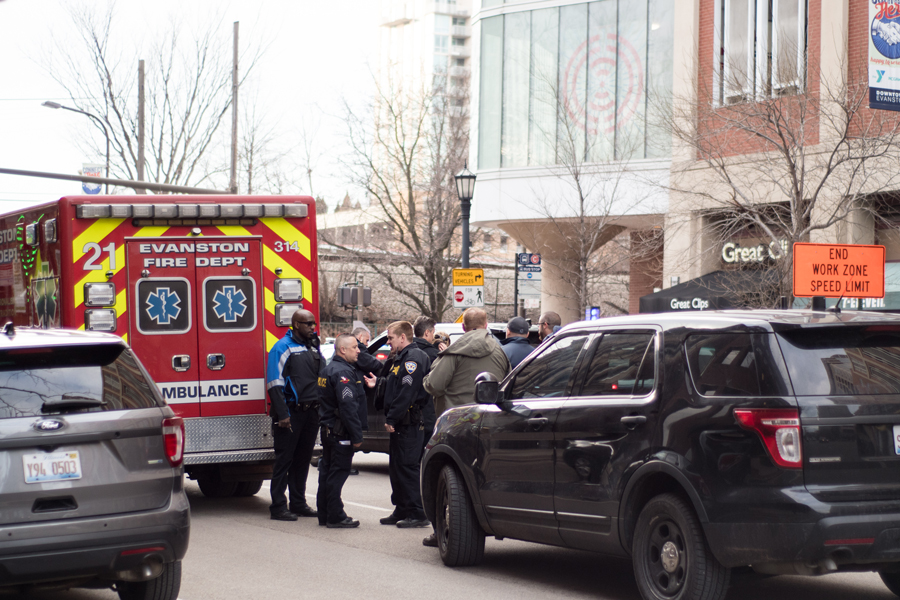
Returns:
(835, 270)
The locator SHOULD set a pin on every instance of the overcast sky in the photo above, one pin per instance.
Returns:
(317, 52)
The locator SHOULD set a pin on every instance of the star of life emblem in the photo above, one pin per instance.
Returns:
(230, 303)
(162, 305)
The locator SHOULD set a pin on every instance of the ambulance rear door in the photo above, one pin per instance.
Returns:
(195, 322)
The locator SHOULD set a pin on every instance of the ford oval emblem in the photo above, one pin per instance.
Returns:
(49, 425)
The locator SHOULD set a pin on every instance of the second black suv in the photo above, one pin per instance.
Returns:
(693, 443)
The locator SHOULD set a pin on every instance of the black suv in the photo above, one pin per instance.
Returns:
(693, 442)
(91, 482)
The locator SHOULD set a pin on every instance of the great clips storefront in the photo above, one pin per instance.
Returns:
(748, 266)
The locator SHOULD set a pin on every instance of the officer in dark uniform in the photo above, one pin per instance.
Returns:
(404, 397)
(292, 375)
(423, 330)
(343, 415)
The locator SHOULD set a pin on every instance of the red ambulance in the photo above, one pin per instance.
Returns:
(199, 286)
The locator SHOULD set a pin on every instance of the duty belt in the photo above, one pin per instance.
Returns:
(306, 406)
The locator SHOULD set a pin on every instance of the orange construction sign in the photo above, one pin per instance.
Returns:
(836, 270)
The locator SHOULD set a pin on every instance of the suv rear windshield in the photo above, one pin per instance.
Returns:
(843, 361)
(42, 381)
(735, 364)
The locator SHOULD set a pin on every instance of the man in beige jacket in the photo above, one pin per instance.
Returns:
(452, 377)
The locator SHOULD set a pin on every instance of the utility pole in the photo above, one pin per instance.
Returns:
(234, 113)
(140, 163)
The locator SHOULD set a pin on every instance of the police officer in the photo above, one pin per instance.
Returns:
(404, 397)
(343, 415)
(292, 378)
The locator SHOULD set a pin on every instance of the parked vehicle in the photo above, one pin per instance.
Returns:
(201, 287)
(693, 443)
(92, 478)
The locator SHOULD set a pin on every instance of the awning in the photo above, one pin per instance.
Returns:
(713, 291)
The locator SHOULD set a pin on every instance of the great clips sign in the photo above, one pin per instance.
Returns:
(884, 54)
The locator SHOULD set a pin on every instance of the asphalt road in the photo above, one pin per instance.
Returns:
(237, 552)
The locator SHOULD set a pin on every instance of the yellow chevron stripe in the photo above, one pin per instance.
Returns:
(98, 230)
(289, 234)
(271, 340)
(273, 261)
(154, 231)
(269, 300)
(235, 230)
(99, 275)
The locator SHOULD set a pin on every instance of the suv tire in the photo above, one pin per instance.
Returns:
(248, 488)
(212, 486)
(164, 587)
(459, 536)
(672, 560)
(892, 580)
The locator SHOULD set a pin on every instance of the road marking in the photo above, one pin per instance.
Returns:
(369, 506)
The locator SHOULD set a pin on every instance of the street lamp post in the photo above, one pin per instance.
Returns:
(50, 104)
(465, 188)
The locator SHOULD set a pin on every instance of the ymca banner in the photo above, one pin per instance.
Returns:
(884, 54)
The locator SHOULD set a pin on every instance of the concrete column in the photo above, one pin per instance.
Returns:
(557, 294)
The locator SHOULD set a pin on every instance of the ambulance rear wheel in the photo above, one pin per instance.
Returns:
(248, 488)
(212, 486)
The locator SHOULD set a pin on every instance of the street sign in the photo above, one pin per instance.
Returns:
(525, 258)
(468, 277)
(468, 296)
(836, 270)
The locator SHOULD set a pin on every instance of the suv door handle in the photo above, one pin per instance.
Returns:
(632, 421)
(181, 362)
(537, 423)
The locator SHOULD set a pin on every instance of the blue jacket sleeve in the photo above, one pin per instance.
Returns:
(275, 380)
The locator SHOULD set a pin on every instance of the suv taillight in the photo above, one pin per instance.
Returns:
(779, 429)
(173, 438)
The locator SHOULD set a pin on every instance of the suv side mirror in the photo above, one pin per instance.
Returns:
(487, 389)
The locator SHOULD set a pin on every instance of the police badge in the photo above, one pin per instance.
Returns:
(410, 366)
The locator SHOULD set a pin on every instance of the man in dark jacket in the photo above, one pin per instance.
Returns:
(423, 330)
(343, 415)
(516, 346)
(366, 362)
(404, 397)
(292, 376)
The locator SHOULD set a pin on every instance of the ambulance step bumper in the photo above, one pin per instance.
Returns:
(209, 458)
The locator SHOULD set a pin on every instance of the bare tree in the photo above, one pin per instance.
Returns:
(405, 148)
(188, 92)
(780, 164)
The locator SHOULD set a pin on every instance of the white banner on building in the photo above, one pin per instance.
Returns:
(884, 54)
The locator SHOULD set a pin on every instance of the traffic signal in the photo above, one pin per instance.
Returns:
(349, 296)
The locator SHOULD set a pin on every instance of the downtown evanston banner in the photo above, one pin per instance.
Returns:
(884, 54)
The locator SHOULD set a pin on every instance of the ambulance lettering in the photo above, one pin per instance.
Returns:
(226, 390)
(194, 248)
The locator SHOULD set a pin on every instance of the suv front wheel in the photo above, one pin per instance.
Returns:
(671, 558)
(459, 536)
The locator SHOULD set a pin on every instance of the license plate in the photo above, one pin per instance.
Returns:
(896, 439)
(52, 466)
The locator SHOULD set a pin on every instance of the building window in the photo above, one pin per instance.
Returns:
(442, 24)
(459, 41)
(487, 242)
(573, 83)
(504, 243)
(760, 48)
(459, 62)
(440, 44)
(459, 21)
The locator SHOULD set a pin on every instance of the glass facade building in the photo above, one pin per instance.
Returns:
(576, 83)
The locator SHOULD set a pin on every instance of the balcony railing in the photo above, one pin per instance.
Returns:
(457, 71)
(447, 8)
(459, 51)
(461, 31)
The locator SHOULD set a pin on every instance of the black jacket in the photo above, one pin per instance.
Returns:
(342, 389)
(403, 388)
(366, 362)
(430, 350)
(516, 349)
(295, 367)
